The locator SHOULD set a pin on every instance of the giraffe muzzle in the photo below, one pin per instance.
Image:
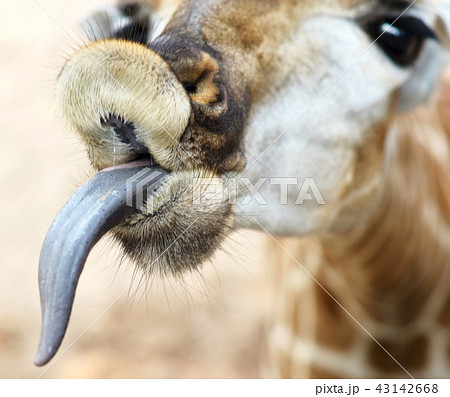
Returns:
(115, 84)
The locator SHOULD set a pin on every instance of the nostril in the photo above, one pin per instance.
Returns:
(125, 131)
(191, 88)
(199, 74)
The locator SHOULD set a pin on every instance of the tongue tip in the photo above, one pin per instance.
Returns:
(43, 357)
(40, 361)
(47, 348)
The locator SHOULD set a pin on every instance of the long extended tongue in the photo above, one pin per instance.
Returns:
(100, 204)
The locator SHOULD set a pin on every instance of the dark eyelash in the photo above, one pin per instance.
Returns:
(400, 37)
(135, 32)
(136, 26)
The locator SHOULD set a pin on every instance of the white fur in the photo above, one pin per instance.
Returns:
(336, 116)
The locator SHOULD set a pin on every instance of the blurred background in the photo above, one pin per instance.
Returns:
(209, 326)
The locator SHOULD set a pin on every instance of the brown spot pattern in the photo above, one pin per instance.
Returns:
(444, 317)
(334, 328)
(413, 355)
(321, 373)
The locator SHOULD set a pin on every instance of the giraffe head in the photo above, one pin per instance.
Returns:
(229, 98)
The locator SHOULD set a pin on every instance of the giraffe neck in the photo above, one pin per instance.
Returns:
(387, 282)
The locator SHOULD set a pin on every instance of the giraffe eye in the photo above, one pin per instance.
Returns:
(401, 38)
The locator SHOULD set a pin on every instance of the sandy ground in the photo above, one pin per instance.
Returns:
(210, 326)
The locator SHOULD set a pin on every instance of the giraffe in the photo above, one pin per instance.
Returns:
(346, 92)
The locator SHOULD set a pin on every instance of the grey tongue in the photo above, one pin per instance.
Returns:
(101, 203)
